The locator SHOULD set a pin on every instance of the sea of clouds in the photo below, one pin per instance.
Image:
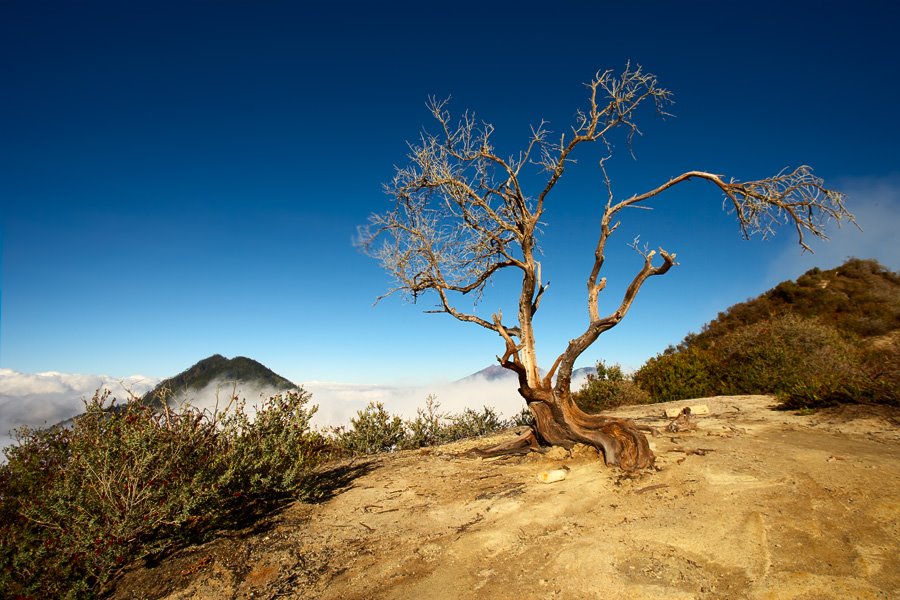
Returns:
(45, 399)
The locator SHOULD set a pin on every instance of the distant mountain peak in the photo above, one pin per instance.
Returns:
(239, 369)
(498, 373)
(491, 373)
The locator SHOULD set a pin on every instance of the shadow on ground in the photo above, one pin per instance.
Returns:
(251, 519)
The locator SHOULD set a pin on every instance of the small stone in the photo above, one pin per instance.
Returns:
(552, 476)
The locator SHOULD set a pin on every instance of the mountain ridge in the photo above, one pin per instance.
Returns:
(830, 337)
(858, 298)
(239, 369)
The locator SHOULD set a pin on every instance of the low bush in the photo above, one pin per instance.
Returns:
(524, 418)
(375, 430)
(805, 362)
(868, 373)
(607, 389)
(781, 354)
(473, 423)
(829, 337)
(677, 373)
(428, 428)
(77, 503)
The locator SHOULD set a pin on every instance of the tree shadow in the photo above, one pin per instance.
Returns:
(336, 479)
(251, 515)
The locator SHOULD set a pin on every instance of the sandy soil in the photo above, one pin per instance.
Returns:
(755, 503)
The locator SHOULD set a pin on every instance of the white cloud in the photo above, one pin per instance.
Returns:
(44, 399)
(876, 204)
(13, 383)
(218, 393)
(339, 402)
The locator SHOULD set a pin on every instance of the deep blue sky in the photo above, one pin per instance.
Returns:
(184, 178)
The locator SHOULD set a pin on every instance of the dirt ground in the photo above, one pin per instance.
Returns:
(755, 503)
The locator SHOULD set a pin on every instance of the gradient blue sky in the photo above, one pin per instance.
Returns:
(179, 179)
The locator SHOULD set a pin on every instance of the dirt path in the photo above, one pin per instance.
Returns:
(754, 504)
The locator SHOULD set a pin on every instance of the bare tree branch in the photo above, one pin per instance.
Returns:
(460, 215)
(597, 326)
(798, 198)
(622, 96)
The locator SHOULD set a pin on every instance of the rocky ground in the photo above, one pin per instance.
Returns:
(754, 503)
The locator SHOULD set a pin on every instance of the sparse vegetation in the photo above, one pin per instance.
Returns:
(830, 337)
(428, 428)
(463, 211)
(472, 423)
(607, 389)
(124, 482)
(374, 430)
(127, 481)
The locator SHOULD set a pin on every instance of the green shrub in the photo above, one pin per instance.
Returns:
(607, 389)
(829, 337)
(123, 482)
(865, 373)
(276, 451)
(802, 360)
(472, 423)
(880, 370)
(779, 354)
(373, 430)
(524, 418)
(678, 373)
(427, 429)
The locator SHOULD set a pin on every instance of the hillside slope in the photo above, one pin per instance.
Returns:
(859, 298)
(217, 368)
(830, 337)
(754, 504)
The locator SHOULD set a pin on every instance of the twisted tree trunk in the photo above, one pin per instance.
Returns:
(559, 422)
(460, 216)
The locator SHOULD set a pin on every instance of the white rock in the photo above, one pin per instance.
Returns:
(551, 476)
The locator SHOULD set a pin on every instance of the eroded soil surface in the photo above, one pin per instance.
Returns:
(755, 503)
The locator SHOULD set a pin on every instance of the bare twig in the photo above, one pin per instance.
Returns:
(460, 215)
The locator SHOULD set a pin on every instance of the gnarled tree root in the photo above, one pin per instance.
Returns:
(521, 445)
(618, 440)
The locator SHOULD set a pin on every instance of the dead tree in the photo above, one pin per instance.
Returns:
(460, 214)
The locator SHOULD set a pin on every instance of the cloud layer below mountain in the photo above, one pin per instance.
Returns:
(44, 399)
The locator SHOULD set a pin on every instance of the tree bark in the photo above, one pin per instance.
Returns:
(460, 216)
(559, 422)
